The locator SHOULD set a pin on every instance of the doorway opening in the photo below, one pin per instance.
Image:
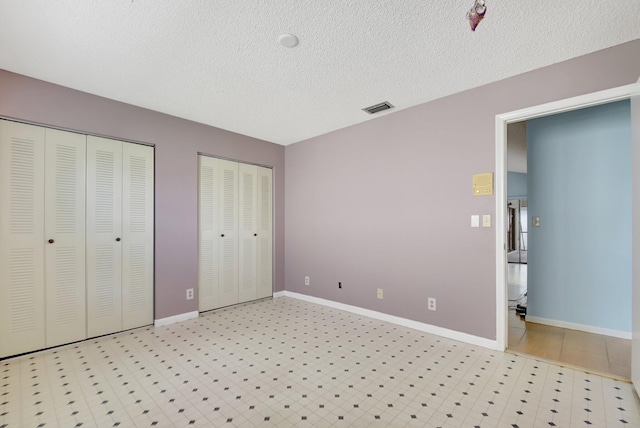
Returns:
(517, 260)
(517, 230)
(511, 272)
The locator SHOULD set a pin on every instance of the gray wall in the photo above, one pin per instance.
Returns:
(177, 143)
(516, 185)
(517, 147)
(579, 177)
(387, 203)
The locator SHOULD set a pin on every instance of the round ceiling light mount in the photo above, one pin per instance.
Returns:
(288, 40)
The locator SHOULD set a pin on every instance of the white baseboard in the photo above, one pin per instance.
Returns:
(416, 325)
(278, 294)
(176, 318)
(579, 327)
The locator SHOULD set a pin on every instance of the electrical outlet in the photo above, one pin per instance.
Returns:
(307, 281)
(189, 293)
(339, 285)
(380, 295)
(431, 304)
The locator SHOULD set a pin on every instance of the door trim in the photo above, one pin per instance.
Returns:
(502, 120)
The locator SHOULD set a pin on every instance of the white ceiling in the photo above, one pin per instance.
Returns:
(218, 61)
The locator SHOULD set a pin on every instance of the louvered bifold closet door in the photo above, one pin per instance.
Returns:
(208, 233)
(248, 234)
(228, 242)
(264, 264)
(104, 236)
(137, 236)
(65, 160)
(22, 307)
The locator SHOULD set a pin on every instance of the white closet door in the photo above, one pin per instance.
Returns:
(208, 233)
(248, 234)
(137, 236)
(64, 228)
(228, 242)
(264, 263)
(104, 234)
(22, 307)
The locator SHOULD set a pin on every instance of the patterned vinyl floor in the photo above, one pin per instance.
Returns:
(288, 363)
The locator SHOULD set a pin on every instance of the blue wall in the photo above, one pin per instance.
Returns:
(579, 184)
(516, 185)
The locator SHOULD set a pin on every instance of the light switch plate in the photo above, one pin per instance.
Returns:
(475, 221)
(536, 221)
(486, 220)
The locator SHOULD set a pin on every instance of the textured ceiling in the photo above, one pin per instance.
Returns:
(218, 61)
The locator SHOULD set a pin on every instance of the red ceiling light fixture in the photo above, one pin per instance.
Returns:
(476, 13)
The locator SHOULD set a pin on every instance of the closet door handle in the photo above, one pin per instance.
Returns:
(117, 239)
(255, 234)
(222, 236)
(51, 241)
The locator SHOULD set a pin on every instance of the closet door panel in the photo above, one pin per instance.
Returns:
(208, 236)
(228, 227)
(264, 218)
(22, 306)
(65, 160)
(104, 236)
(248, 233)
(137, 236)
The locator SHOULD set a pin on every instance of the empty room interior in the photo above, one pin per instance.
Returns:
(284, 214)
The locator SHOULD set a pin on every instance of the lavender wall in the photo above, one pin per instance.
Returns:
(177, 143)
(387, 203)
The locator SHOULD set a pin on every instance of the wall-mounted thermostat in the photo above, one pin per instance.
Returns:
(483, 184)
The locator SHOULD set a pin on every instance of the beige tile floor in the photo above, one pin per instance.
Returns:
(595, 352)
(602, 354)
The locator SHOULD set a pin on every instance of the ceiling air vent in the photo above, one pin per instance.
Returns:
(378, 107)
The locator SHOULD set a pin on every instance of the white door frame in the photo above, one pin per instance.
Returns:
(502, 120)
